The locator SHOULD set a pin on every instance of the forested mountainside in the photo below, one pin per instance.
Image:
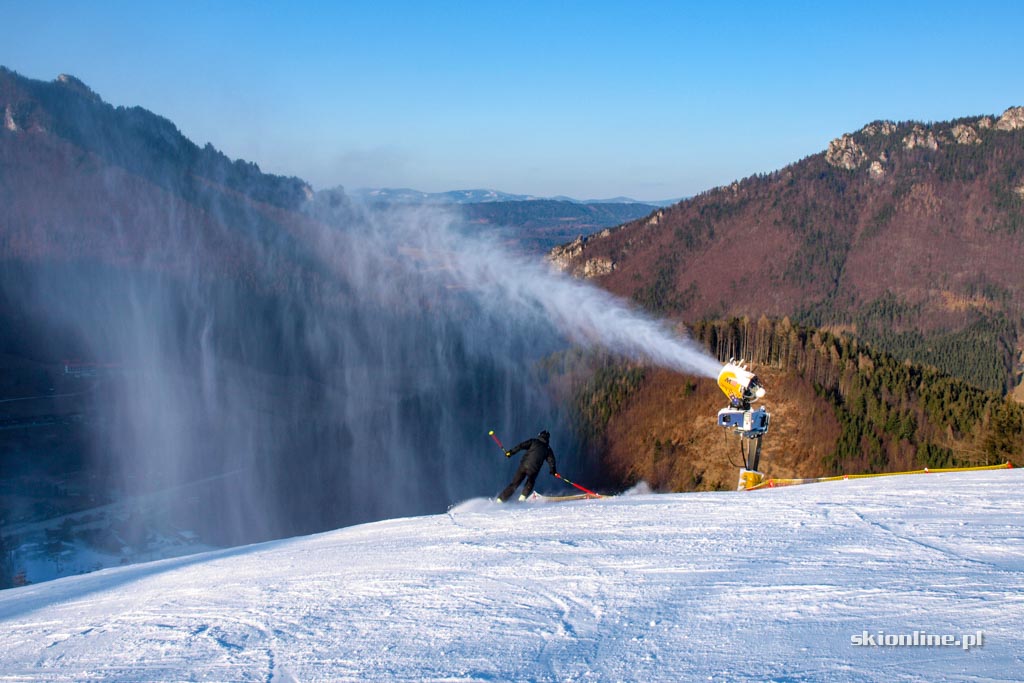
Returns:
(876, 287)
(906, 235)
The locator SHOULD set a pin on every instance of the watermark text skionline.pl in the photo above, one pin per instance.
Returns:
(917, 639)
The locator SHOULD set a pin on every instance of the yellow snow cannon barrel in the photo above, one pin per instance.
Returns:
(739, 384)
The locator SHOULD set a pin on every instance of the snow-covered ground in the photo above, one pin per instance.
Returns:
(767, 585)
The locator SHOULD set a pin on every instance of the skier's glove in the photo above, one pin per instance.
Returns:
(508, 454)
(554, 473)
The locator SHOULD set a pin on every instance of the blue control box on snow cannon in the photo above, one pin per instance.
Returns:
(746, 421)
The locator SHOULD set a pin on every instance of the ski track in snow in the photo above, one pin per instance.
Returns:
(766, 585)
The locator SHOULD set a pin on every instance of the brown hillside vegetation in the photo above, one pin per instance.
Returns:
(838, 406)
(667, 435)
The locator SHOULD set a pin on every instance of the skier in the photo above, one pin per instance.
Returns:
(537, 451)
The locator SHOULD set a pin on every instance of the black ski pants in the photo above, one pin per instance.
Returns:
(521, 473)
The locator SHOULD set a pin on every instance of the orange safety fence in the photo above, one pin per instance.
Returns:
(772, 482)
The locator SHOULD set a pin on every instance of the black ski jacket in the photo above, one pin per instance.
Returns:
(537, 452)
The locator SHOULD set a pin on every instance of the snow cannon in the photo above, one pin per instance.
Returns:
(742, 387)
(739, 384)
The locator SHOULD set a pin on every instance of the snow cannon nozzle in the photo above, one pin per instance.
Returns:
(739, 384)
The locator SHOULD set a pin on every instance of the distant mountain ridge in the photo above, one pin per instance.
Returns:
(534, 223)
(480, 196)
(540, 224)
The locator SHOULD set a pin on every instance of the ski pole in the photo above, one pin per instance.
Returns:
(585, 490)
(498, 441)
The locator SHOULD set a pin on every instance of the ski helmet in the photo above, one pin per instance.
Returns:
(544, 436)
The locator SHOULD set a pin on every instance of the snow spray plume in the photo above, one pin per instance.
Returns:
(282, 374)
(585, 314)
(530, 295)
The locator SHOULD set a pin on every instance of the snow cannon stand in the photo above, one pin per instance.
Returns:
(749, 479)
(742, 388)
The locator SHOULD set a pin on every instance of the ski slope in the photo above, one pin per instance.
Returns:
(767, 585)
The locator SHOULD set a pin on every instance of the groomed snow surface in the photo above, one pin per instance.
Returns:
(767, 585)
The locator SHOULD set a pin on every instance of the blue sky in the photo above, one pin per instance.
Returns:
(588, 99)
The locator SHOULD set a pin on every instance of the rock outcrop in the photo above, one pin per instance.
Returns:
(656, 218)
(966, 135)
(597, 267)
(845, 153)
(1012, 119)
(919, 137)
(880, 128)
(562, 257)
